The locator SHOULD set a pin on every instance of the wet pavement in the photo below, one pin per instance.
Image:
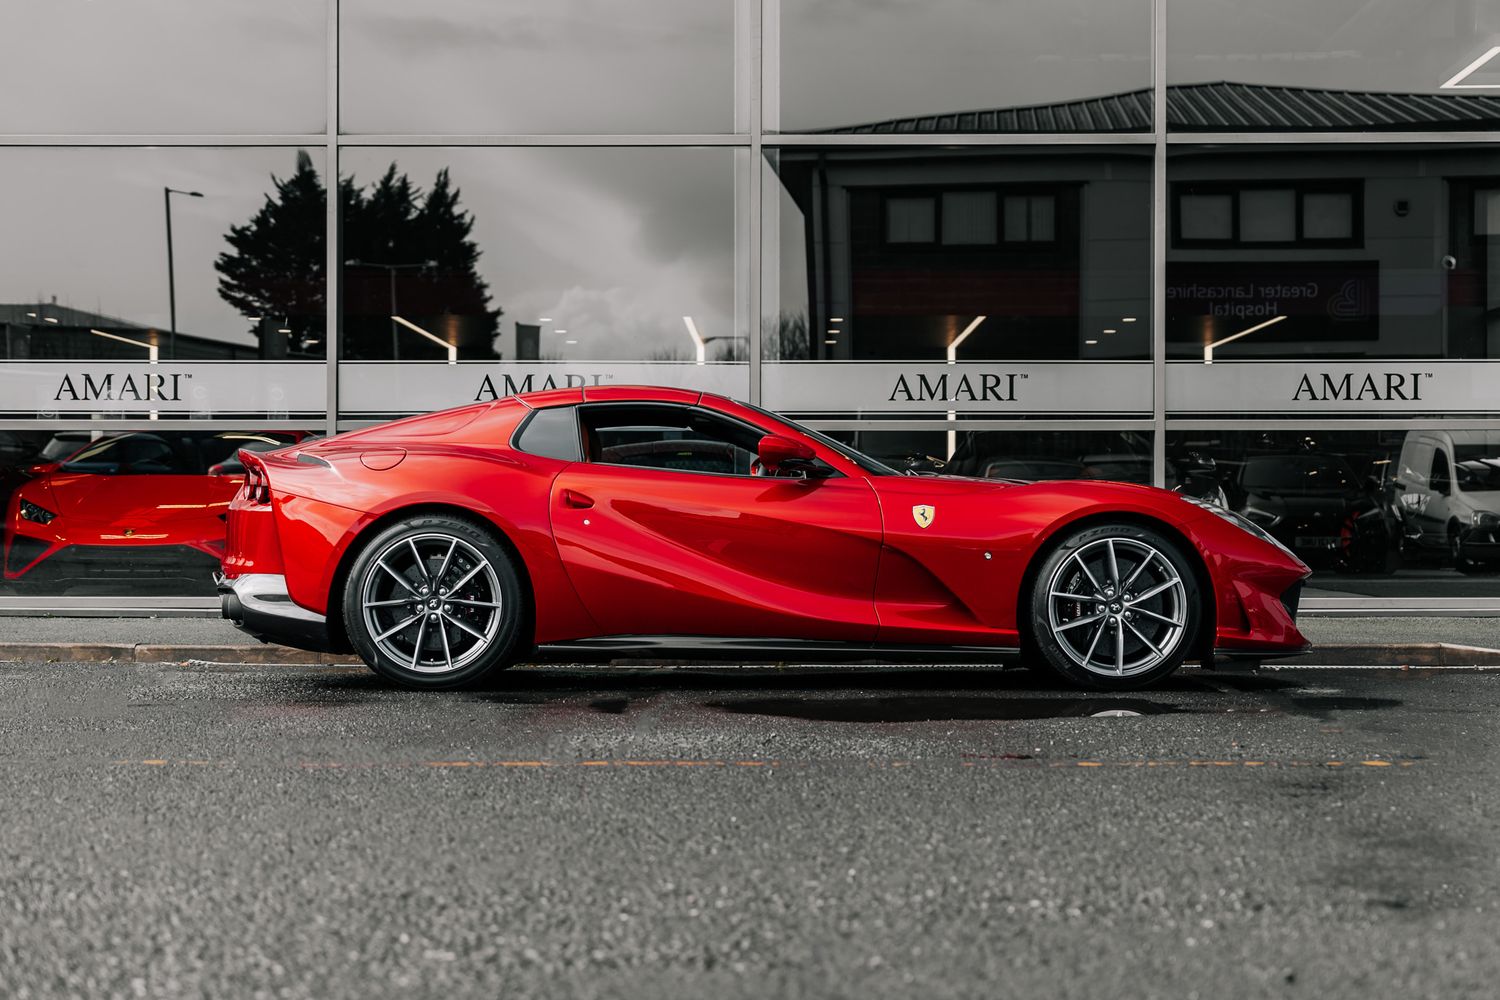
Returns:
(189, 830)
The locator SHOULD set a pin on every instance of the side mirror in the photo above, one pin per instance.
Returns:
(777, 452)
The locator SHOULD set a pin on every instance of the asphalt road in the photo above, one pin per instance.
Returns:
(306, 832)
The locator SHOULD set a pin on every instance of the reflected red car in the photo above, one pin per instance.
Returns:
(127, 509)
(625, 521)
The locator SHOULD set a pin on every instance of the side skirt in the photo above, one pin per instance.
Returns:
(658, 647)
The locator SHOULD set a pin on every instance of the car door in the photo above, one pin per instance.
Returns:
(664, 531)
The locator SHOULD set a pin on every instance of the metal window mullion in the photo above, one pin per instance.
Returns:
(331, 231)
(206, 140)
(507, 139)
(1159, 242)
(1330, 138)
(755, 96)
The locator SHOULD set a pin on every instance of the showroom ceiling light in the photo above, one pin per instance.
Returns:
(1456, 81)
(452, 350)
(1208, 349)
(835, 319)
(1127, 319)
(1110, 329)
(1090, 343)
(544, 319)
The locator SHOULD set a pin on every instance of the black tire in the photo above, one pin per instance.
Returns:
(1158, 614)
(462, 628)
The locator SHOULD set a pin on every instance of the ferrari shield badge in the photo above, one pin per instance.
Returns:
(922, 513)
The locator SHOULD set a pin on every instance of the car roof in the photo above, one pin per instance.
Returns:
(610, 394)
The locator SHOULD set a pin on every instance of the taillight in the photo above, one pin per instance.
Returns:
(257, 487)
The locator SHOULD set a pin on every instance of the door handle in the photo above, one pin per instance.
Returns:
(576, 500)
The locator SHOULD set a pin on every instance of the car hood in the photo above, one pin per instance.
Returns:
(142, 499)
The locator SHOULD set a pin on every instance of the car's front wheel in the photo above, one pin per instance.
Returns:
(1115, 606)
(434, 602)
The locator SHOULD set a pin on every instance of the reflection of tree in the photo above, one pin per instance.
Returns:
(277, 268)
(787, 340)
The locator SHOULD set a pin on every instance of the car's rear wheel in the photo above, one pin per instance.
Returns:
(434, 602)
(1115, 606)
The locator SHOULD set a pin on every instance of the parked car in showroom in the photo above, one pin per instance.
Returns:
(128, 508)
(1448, 489)
(1321, 509)
(617, 521)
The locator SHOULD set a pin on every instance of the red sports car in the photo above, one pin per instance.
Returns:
(618, 521)
(128, 508)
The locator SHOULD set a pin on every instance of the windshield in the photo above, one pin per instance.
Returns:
(1478, 467)
(1319, 473)
(859, 458)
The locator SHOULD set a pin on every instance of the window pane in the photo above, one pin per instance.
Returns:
(84, 277)
(1043, 212)
(968, 217)
(1327, 216)
(1367, 510)
(908, 220)
(961, 66)
(1335, 65)
(138, 514)
(1017, 219)
(163, 66)
(1268, 216)
(567, 266)
(537, 66)
(859, 324)
(678, 438)
(1487, 213)
(1207, 216)
(1417, 279)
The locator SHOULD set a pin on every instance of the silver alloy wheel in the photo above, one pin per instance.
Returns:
(431, 602)
(1117, 607)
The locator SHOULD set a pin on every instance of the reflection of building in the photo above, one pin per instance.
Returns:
(49, 332)
(905, 247)
(1282, 251)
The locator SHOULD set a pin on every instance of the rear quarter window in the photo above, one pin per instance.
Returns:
(551, 433)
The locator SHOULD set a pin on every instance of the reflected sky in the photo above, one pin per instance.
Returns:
(87, 226)
(614, 246)
(163, 66)
(535, 66)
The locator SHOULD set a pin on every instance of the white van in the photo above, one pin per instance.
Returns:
(1448, 488)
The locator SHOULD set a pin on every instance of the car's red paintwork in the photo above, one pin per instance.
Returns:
(615, 550)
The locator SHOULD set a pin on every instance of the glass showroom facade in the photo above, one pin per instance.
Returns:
(1250, 252)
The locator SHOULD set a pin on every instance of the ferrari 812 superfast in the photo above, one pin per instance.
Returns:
(611, 522)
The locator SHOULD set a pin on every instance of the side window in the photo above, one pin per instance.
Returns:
(661, 436)
(1440, 476)
(552, 433)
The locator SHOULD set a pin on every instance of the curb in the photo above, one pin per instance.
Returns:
(1418, 654)
(145, 652)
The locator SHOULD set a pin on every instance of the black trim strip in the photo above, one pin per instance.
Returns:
(705, 647)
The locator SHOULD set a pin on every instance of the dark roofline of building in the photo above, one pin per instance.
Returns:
(1222, 106)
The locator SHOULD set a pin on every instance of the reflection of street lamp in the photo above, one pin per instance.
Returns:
(452, 350)
(953, 360)
(391, 269)
(152, 353)
(700, 342)
(1208, 349)
(166, 197)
